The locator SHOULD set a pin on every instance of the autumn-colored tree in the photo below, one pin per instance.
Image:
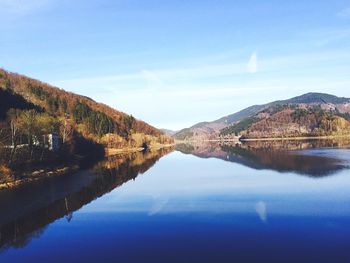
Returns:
(66, 130)
(28, 125)
(87, 117)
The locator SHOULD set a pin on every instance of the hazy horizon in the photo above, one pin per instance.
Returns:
(177, 63)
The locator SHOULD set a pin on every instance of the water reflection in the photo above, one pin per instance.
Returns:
(184, 209)
(313, 158)
(26, 211)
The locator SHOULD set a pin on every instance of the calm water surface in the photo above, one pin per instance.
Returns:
(197, 204)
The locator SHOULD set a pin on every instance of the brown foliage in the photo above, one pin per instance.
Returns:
(295, 123)
(24, 86)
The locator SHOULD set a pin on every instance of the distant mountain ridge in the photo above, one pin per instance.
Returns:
(168, 132)
(211, 130)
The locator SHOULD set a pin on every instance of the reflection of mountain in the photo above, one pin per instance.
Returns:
(288, 156)
(20, 221)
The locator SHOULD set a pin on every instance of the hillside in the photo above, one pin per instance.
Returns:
(168, 132)
(91, 119)
(44, 128)
(212, 130)
(297, 120)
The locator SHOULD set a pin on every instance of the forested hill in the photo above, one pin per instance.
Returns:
(85, 116)
(237, 122)
(296, 120)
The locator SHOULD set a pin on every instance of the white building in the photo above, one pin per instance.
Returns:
(53, 142)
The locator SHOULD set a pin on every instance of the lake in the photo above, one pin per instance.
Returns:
(258, 202)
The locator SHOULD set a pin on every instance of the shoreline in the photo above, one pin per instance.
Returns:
(300, 138)
(61, 171)
(113, 151)
(39, 175)
(211, 140)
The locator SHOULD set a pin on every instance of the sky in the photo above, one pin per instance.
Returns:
(176, 63)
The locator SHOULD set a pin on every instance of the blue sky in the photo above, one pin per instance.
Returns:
(175, 63)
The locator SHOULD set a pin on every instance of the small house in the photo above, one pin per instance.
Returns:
(51, 141)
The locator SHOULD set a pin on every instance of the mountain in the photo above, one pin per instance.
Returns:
(44, 128)
(297, 120)
(211, 130)
(91, 119)
(168, 132)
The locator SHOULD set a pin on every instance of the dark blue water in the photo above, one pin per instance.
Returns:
(190, 209)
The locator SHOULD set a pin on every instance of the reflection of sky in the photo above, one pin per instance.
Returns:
(188, 209)
(183, 183)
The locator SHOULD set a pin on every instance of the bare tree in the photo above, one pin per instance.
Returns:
(66, 130)
(14, 128)
(14, 131)
(3, 136)
(28, 125)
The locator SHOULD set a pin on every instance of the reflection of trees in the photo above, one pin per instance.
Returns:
(274, 155)
(185, 148)
(283, 161)
(297, 144)
(110, 174)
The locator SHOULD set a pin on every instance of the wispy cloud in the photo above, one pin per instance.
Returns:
(171, 76)
(345, 13)
(159, 77)
(22, 7)
(152, 79)
(201, 88)
(328, 36)
(252, 66)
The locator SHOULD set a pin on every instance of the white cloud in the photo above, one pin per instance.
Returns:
(252, 66)
(345, 13)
